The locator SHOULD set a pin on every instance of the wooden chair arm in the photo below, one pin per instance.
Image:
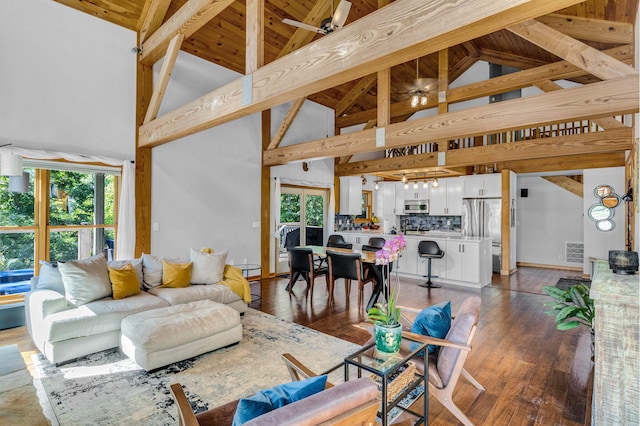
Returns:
(298, 371)
(187, 418)
(435, 341)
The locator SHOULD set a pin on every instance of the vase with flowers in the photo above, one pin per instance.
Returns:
(385, 316)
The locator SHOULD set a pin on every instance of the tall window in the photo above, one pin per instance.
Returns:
(65, 214)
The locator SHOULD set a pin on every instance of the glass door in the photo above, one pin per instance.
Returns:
(302, 220)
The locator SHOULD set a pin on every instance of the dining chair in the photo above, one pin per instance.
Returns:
(301, 263)
(338, 241)
(350, 267)
(377, 242)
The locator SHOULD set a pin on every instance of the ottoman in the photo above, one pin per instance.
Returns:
(162, 336)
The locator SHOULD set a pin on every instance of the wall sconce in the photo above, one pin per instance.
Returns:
(10, 164)
(364, 180)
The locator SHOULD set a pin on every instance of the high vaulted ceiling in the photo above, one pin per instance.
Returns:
(222, 40)
(592, 44)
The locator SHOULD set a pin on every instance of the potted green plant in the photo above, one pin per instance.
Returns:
(387, 330)
(572, 307)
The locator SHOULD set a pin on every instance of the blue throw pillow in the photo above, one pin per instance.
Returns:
(276, 397)
(433, 321)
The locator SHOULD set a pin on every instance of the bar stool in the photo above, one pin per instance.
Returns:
(429, 250)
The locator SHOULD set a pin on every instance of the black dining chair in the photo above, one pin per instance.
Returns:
(301, 263)
(350, 267)
(377, 242)
(429, 250)
(338, 241)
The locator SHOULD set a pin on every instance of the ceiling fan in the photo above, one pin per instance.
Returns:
(420, 89)
(328, 25)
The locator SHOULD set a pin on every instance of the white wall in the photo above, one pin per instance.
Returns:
(597, 243)
(67, 80)
(548, 218)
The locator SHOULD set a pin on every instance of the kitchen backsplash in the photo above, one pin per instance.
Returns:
(414, 222)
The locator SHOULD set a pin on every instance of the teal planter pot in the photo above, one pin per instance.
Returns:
(387, 337)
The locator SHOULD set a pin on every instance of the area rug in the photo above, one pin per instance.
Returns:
(565, 283)
(107, 388)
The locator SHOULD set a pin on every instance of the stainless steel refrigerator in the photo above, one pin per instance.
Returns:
(482, 217)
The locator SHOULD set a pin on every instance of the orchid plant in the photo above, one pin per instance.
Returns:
(387, 313)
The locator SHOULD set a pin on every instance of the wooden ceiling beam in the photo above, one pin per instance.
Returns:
(510, 59)
(565, 182)
(518, 80)
(160, 87)
(186, 21)
(587, 29)
(571, 50)
(591, 143)
(294, 109)
(602, 99)
(362, 87)
(254, 51)
(569, 162)
(399, 32)
(151, 18)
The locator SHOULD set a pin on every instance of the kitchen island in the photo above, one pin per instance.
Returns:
(467, 261)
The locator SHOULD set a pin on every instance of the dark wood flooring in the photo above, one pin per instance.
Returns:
(533, 374)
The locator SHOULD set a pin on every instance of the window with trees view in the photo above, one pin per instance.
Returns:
(63, 215)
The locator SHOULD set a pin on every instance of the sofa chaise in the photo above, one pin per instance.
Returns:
(71, 313)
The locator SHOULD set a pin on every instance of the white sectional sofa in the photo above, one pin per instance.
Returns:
(63, 330)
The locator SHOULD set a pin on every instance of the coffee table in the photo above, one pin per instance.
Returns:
(384, 369)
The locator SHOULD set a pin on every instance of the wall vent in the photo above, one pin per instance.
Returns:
(574, 252)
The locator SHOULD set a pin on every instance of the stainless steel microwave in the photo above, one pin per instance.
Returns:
(416, 206)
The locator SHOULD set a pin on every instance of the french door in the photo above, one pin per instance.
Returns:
(303, 216)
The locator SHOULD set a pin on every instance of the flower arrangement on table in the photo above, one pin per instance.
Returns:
(386, 316)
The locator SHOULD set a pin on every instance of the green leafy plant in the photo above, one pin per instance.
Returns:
(385, 313)
(571, 307)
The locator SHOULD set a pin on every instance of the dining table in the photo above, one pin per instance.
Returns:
(367, 257)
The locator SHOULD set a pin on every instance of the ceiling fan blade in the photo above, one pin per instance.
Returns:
(340, 17)
(303, 26)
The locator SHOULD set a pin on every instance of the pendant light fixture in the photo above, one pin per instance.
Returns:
(10, 164)
(419, 95)
(436, 184)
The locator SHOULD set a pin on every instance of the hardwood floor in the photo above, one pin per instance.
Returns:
(533, 374)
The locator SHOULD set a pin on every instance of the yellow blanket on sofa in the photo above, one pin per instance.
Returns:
(234, 279)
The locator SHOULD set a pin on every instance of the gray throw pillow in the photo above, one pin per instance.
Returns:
(50, 278)
(85, 280)
(151, 270)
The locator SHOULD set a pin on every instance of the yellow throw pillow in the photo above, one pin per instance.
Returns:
(176, 275)
(124, 281)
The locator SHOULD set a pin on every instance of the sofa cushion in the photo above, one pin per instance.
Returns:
(151, 270)
(97, 317)
(269, 399)
(207, 268)
(136, 263)
(176, 275)
(85, 280)
(49, 277)
(124, 281)
(216, 292)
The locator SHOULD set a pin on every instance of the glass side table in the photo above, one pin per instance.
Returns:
(385, 369)
(249, 267)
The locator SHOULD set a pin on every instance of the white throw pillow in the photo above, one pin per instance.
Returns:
(85, 280)
(207, 268)
(151, 270)
(136, 263)
(49, 277)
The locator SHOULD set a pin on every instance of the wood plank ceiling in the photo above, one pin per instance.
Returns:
(222, 41)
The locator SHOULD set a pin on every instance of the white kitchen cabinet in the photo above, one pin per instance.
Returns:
(446, 200)
(399, 187)
(462, 262)
(482, 186)
(388, 190)
(350, 195)
(408, 261)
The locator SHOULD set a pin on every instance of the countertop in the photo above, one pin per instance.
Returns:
(439, 235)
